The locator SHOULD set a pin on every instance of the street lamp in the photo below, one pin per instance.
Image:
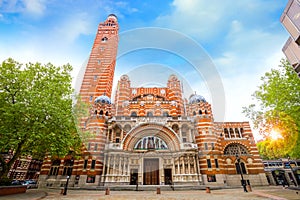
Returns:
(238, 159)
(69, 172)
(66, 186)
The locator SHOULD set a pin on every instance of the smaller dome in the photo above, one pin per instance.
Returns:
(103, 99)
(113, 16)
(195, 98)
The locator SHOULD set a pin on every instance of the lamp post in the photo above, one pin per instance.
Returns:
(238, 159)
(66, 186)
(69, 172)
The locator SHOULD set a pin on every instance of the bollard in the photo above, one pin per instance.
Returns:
(207, 189)
(249, 188)
(107, 191)
(158, 190)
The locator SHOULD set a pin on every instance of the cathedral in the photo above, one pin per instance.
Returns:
(151, 135)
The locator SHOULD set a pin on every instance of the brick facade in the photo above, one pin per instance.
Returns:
(151, 136)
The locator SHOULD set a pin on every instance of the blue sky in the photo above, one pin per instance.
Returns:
(242, 38)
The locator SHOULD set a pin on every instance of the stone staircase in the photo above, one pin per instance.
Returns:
(148, 187)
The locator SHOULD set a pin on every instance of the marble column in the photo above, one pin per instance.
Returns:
(114, 165)
(189, 165)
(183, 164)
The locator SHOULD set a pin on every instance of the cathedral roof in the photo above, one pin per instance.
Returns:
(103, 99)
(196, 98)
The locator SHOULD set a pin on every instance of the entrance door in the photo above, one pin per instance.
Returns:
(133, 176)
(151, 173)
(168, 176)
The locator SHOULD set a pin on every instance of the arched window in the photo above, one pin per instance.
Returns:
(127, 128)
(200, 112)
(118, 131)
(237, 133)
(104, 39)
(101, 112)
(165, 114)
(194, 113)
(149, 114)
(240, 166)
(206, 112)
(235, 149)
(226, 133)
(68, 167)
(54, 168)
(231, 133)
(151, 142)
(133, 114)
(184, 133)
(175, 128)
(241, 131)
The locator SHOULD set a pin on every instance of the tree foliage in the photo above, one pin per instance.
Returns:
(278, 109)
(36, 111)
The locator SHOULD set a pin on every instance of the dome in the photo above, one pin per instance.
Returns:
(195, 98)
(113, 16)
(103, 99)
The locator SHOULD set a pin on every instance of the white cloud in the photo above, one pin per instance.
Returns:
(73, 26)
(251, 46)
(205, 20)
(191, 17)
(34, 7)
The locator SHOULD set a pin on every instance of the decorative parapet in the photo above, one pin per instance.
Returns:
(113, 146)
(188, 146)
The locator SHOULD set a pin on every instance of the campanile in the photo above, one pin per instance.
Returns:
(99, 73)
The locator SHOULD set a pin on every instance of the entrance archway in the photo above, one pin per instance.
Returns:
(160, 133)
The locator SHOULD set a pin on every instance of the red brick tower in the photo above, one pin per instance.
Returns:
(95, 90)
(99, 73)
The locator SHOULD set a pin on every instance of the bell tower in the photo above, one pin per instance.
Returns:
(96, 90)
(99, 73)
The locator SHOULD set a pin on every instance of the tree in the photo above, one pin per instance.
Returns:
(278, 110)
(36, 111)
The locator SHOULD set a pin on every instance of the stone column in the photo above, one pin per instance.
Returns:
(122, 134)
(178, 166)
(120, 165)
(180, 133)
(240, 134)
(189, 165)
(114, 165)
(194, 160)
(108, 164)
(183, 164)
(104, 166)
(128, 169)
(234, 132)
(124, 166)
(173, 166)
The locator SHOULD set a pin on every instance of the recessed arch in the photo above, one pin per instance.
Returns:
(234, 149)
(151, 129)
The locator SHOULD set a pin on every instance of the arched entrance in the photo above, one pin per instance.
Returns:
(152, 143)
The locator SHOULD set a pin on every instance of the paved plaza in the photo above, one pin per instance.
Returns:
(270, 192)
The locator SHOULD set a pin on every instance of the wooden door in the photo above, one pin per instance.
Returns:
(151, 171)
(168, 176)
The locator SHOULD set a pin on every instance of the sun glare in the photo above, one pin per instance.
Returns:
(275, 135)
